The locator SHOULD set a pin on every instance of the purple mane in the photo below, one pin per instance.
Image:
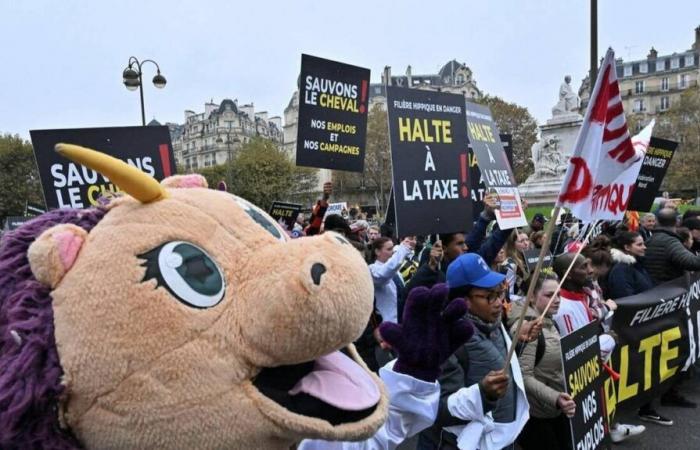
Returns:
(30, 378)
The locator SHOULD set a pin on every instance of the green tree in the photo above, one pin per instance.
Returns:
(377, 174)
(682, 123)
(261, 173)
(19, 177)
(518, 122)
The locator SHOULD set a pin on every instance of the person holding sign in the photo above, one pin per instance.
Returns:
(384, 270)
(541, 363)
(481, 405)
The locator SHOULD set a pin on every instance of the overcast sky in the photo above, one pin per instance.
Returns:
(63, 61)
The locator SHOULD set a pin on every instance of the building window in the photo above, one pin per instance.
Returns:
(689, 60)
(639, 105)
(459, 78)
(664, 84)
(627, 71)
(639, 87)
(664, 103)
(643, 67)
(683, 81)
(660, 65)
(675, 63)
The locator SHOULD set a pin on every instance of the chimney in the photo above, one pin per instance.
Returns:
(652, 53)
(277, 120)
(262, 115)
(209, 107)
(248, 109)
(696, 44)
(386, 76)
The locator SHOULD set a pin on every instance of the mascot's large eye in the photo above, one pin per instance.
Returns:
(187, 271)
(262, 219)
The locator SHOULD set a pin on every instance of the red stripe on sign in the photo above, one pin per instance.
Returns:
(165, 159)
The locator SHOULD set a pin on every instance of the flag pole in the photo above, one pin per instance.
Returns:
(566, 274)
(535, 274)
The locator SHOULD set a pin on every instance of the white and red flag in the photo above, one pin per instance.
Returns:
(594, 186)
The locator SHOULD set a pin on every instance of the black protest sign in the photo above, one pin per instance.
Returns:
(32, 209)
(533, 255)
(496, 171)
(580, 352)
(70, 185)
(654, 167)
(658, 338)
(14, 222)
(332, 124)
(285, 213)
(428, 139)
(478, 188)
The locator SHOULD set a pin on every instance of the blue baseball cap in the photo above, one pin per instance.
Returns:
(470, 269)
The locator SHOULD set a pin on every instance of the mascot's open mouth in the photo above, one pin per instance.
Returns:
(333, 388)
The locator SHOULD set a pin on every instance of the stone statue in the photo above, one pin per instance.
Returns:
(548, 159)
(568, 100)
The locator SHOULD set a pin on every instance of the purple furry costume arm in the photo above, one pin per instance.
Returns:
(30, 370)
(433, 328)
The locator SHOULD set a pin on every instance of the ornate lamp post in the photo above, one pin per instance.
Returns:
(133, 79)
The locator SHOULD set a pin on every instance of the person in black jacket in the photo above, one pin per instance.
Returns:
(628, 277)
(666, 257)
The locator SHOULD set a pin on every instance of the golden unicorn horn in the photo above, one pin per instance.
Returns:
(133, 181)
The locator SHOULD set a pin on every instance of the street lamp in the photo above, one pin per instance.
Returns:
(228, 151)
(132, 77)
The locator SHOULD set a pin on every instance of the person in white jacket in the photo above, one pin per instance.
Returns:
(433, 327)
(384, 272)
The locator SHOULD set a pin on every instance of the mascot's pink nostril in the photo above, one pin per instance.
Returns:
(317, 270)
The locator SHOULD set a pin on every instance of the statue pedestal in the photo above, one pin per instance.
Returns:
(543, 186)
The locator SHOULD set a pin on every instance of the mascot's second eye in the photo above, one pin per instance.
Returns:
(187, 272)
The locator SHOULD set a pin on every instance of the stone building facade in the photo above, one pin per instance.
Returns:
(650, 86)
(212, 137)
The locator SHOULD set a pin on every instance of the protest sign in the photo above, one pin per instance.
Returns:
(332, 124)
(580, 352)
(658, 158)
(369, 210)
(70, 185)
(658, 338)
(533, 255)
(14, 222)
(495, 168)
(428, 139)
(478, 188)
(285, 213)
(32, 209)
(336, 208)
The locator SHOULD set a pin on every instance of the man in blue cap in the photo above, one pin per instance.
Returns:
(481, 405)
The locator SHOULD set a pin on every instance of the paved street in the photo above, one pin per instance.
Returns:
(684, 434)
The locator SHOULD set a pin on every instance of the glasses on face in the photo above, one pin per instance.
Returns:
(492, 296)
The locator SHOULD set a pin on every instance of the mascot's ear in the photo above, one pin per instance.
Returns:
(193, 180)
(53, 253)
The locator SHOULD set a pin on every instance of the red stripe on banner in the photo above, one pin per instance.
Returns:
(600, 107)
(611, 135)
(623, 151)
(615, 110)
(165, 159)
(614, 89)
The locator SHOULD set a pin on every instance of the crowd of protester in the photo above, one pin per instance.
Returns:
(527, 403)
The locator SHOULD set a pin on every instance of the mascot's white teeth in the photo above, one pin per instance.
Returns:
(339, 381)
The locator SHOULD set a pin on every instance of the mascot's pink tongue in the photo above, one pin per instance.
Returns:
(340, 382)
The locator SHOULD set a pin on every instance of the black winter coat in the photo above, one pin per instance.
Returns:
(627, 276)
(666, 257)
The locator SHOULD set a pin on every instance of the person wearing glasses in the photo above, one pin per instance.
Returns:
(481, 404)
